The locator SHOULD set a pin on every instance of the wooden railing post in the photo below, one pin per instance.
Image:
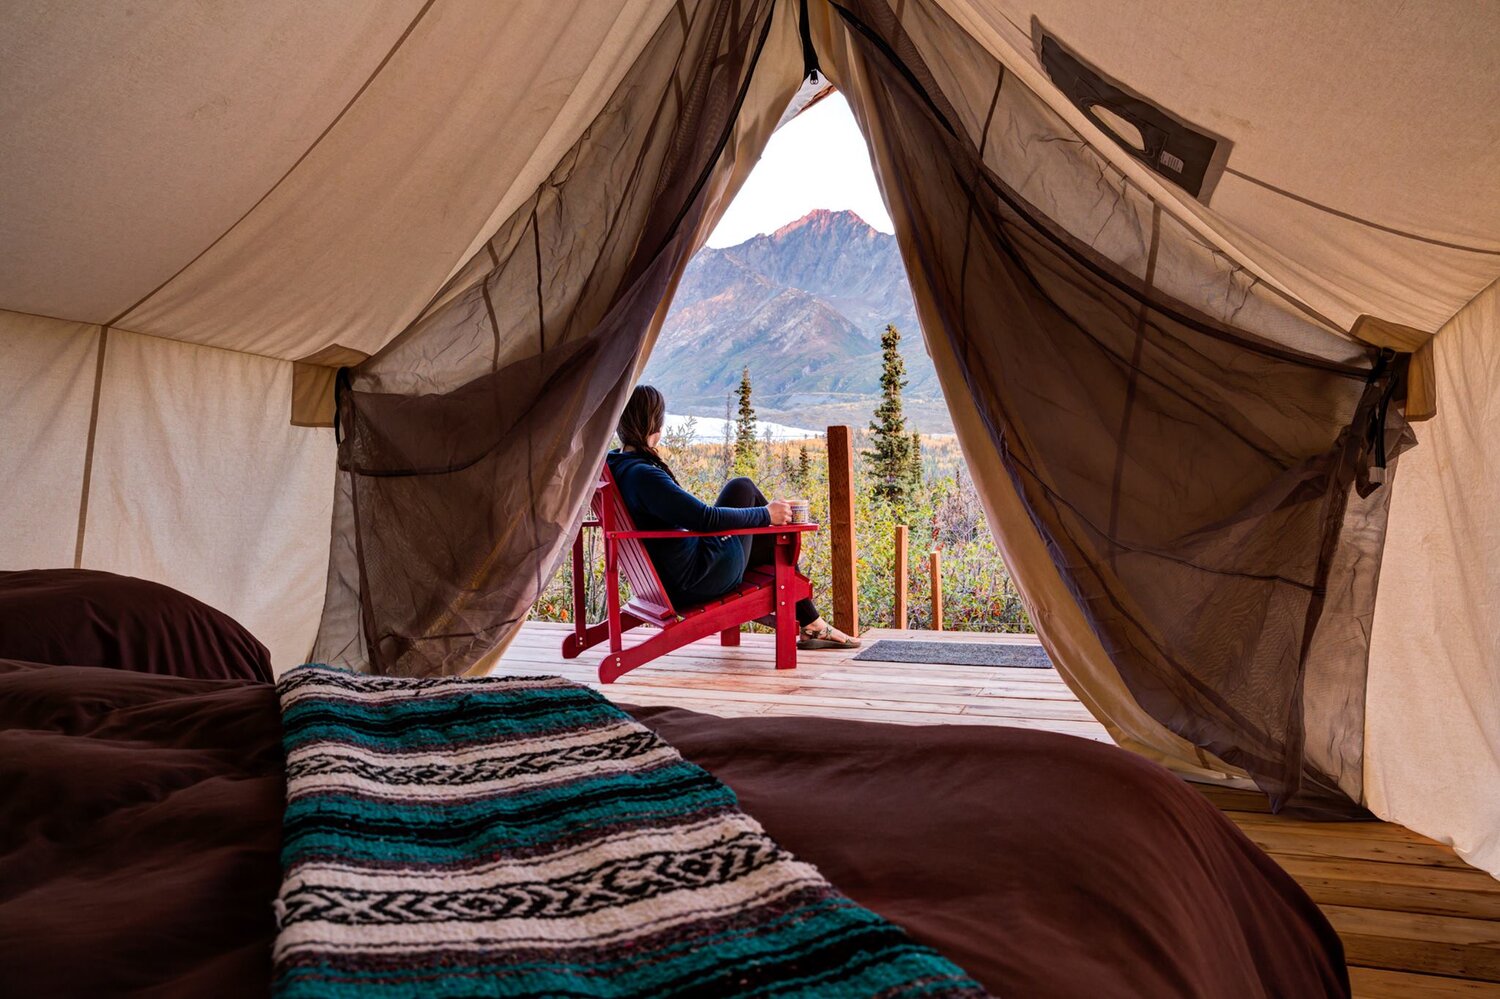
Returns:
(900, 576)
(935, 566)
(840, 444)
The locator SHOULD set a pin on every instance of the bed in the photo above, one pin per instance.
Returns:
(139, 852)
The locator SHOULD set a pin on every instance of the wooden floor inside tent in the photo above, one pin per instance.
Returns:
(1416, 920)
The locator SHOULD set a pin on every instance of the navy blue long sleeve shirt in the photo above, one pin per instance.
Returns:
(693, 569)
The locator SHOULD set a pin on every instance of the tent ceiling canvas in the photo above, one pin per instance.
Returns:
(274, 178)
(279, 177)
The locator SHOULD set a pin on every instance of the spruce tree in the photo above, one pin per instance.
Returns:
(803, 475)
(745, 444)
(788, 467)
(890, 458)
(726, 453)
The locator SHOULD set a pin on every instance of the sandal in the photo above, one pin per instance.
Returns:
(824, 638)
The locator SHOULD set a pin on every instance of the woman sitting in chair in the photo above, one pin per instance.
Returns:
(696, 570)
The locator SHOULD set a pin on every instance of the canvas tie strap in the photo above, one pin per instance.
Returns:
(809, 54)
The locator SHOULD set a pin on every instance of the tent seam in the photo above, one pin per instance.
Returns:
(155, 336)
(1359, 220)
(88, 450)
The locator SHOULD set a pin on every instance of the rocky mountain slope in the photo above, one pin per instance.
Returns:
(804, 308)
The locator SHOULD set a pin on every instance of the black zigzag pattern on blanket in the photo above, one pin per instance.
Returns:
(610, 884)
(625, 747)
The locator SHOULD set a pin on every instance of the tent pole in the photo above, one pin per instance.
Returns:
(935, 568)
(899, 617)
(840, 445)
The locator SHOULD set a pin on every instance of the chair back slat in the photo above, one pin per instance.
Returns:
(648, 594)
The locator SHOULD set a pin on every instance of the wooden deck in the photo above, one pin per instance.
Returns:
(1416, 920)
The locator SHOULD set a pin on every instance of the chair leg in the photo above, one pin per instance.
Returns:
(612, 597)
(786, 615)
(730, 636)
(786, 636)
(580, 608)
(594, 634)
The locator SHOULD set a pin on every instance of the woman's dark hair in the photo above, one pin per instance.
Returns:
(644, 415)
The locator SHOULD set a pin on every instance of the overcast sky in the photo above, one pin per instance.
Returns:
(816, 160)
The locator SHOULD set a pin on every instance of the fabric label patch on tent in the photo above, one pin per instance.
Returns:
(1183, 153)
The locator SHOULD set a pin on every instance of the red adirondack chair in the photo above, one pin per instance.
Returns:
(773, 589)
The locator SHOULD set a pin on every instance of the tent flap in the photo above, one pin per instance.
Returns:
(472, 439)
(1204, 492)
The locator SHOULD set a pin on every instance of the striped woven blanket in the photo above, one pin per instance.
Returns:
(523, 837)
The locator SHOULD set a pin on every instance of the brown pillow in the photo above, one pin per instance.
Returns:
(80, 617)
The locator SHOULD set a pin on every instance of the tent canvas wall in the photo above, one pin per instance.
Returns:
(481, 196)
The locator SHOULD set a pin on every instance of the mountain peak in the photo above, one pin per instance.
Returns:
(825, 220)
(803, 307)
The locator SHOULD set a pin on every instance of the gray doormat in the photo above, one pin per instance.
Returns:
(889, 650)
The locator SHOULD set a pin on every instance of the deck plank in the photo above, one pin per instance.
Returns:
(1400, 887)
(1411, 941)
(1379, 983)
(1415, 919)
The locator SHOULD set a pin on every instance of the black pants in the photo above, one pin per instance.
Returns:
(760, 549)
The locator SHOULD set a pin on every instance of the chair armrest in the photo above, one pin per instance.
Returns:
(783, 529)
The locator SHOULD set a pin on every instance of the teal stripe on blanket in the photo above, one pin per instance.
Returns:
(315, 830)
(599, 875)
(662, 776)
(429, 722)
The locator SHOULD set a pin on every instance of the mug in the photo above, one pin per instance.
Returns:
(801, 512)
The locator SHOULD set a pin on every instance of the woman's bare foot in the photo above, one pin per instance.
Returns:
(822, 635)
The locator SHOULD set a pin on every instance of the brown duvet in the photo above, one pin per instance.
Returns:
(1043, 864)
(142, 818)
(141, 823)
